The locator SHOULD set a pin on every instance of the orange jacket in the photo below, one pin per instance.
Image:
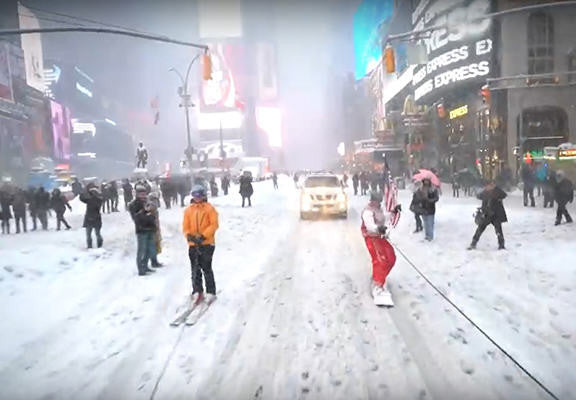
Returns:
(200, 219)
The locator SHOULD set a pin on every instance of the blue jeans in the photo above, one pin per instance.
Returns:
(146, 250)
(428, 226)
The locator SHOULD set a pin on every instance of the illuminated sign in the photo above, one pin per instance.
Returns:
(269, 119)
(567, 154)
(458, 54)
(83, 90)
(459, 112)
(83, 127)
(371, 19)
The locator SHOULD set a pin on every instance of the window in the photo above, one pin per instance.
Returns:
(540, 43)
(322, 181)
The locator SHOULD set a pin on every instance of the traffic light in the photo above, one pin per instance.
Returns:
(389, 59)
(485, 93)
(206, 67)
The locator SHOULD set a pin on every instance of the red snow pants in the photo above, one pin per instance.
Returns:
(383, 258)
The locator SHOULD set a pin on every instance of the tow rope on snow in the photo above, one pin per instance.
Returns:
(475, 325)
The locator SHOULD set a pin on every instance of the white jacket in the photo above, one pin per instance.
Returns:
(372, 218)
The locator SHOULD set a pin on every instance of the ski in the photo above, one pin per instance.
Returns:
(194, 317)
(184, 314)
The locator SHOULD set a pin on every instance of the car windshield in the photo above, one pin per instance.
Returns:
(322, 181)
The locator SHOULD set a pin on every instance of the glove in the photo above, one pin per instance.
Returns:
(198, 239)
(398, 208)
(382, 230)
(190, 238)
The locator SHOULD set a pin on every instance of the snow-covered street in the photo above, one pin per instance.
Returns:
(294, 318)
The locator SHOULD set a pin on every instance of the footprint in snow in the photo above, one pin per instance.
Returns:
(467, 368)
(553, 311)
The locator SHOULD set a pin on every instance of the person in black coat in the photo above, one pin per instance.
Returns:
(145, 226)
(246, 189)
(19, 206)
(355, 182)
(529, 180)
(6, 200)
(59, 203)
(548, 188)
(225, 184)
(114, 196)
(106, 197)
(492, 212)
(128, 194)
(166, 188)
(32, 208)
(416, 208)
(563, 194)
(42, 203)
(92, 219)
(213, 187)
(427, 197)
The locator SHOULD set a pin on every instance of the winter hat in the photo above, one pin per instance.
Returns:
(198, 191)
(376, 196)
(139, 188)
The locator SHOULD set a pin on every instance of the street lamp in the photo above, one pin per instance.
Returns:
(186, 103)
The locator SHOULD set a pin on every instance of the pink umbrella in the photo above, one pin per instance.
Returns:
(426, 174)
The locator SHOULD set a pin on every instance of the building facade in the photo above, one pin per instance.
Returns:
(537, 82)
(488, 91)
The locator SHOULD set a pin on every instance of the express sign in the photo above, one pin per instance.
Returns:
(459, 53)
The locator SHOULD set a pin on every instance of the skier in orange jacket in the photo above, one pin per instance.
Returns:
(199, 227)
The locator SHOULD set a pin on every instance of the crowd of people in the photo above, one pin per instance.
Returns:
(17, 203)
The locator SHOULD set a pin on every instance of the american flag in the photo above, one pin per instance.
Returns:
(391, 197)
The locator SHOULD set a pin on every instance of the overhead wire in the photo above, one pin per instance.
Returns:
(73, 17)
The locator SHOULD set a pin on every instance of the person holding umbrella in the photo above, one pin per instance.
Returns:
(426, 198)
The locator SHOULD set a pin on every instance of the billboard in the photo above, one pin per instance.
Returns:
(32, 46)
(61, 128)
(269, 119)
(220, 93)
(5, 75)
(371, 22)
(459, 55)
(218, 19)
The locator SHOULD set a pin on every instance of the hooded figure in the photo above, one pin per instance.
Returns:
(492, 213)
(59, 203)
(92, 218)
(246, 189)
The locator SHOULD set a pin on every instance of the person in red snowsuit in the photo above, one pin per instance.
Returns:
(382, 253)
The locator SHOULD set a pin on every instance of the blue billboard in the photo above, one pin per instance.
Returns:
(371, 23)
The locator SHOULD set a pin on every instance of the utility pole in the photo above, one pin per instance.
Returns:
(187, 104)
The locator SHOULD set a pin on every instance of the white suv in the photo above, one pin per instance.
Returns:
(322, 194)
